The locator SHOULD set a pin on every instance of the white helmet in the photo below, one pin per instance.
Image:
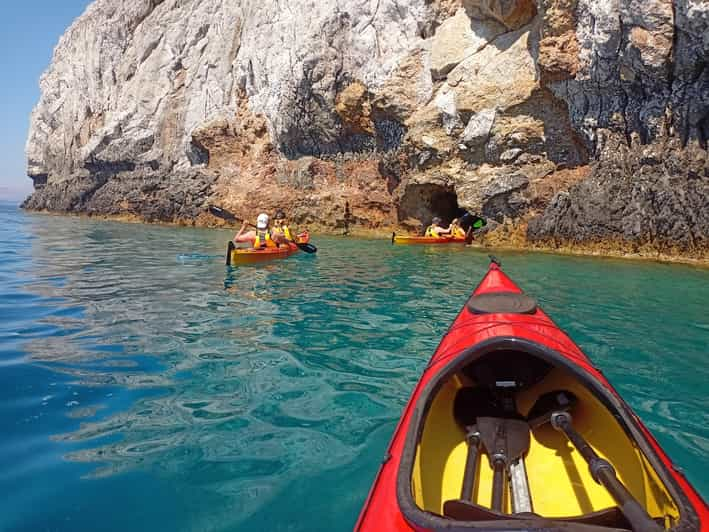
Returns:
(262, 221)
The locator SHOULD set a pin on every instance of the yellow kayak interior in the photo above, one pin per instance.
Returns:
(559, 480)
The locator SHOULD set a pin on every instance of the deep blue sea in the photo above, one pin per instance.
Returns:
(144, 386)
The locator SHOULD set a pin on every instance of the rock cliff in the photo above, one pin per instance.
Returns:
(568, 122)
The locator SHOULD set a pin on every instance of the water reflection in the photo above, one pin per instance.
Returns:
(260, 373)
(243, 382)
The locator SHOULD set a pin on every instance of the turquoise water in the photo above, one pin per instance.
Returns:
(143, 386)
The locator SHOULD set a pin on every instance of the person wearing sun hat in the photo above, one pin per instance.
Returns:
(262, 237)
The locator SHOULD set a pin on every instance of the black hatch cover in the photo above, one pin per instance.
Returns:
(502, 303)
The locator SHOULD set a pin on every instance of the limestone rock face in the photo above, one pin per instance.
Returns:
(640, 99)
(133, 85)
(457, 38)
(517, 109)
(512, 13)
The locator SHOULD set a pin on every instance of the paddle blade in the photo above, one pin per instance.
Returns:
(221, 213)
(472, 220)
(229, 248)
(508, 438)
(308, 248)
(467, 511)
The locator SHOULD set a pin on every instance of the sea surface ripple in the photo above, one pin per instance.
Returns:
(146, 386)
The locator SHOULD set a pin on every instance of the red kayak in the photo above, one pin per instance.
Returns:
(511, 427)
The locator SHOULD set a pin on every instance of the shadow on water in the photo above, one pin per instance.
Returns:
(135, 363)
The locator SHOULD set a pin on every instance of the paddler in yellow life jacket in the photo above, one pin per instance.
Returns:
(435, 230)
(280, 226)
(262, 237)
(456, 230)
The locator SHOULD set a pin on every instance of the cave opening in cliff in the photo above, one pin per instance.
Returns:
(421, 202)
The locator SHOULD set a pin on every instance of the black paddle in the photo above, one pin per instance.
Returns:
(504, 439)
(226, 215)
(229, 248)
(469, 404)
(472, 221)
(554, 408)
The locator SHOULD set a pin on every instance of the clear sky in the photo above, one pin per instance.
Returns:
(29, 30)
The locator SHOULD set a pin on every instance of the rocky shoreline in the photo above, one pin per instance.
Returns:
(580, 124)
(503, 239)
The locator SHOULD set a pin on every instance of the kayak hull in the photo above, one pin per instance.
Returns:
(407, 239)
(426, 458)
(244, 256)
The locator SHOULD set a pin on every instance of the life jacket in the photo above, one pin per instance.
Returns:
(284, 230)
(430, 232)
(264, 240)
(457, 232)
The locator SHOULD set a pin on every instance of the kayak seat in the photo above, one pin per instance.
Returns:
(502, 303)
(467, 511)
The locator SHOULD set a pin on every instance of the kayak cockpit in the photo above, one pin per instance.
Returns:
(497, 399)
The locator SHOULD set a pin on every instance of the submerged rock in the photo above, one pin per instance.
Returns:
(157, 108)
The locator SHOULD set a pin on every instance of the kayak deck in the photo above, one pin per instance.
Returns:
(560, 483)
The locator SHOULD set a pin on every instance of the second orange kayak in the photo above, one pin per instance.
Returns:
(410, 239)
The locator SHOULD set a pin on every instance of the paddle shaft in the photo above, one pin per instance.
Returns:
(519, 487)
(604, 473)
(498, 484)
(471, 464)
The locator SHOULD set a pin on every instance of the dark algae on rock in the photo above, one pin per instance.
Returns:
(652, 198)
(570, 124)
(152, 196)
(647, 92)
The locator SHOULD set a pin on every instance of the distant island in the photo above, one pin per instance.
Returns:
(575, 125)
(13, 194)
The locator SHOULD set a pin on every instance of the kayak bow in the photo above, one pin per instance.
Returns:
(240, 256)
(511, 427)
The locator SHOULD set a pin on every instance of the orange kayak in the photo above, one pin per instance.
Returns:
(240, 256)
(410, 239)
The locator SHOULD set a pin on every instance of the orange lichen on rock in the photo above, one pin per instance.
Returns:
(353, 105)
(559, 47)
(227, 140)
(559, 57)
